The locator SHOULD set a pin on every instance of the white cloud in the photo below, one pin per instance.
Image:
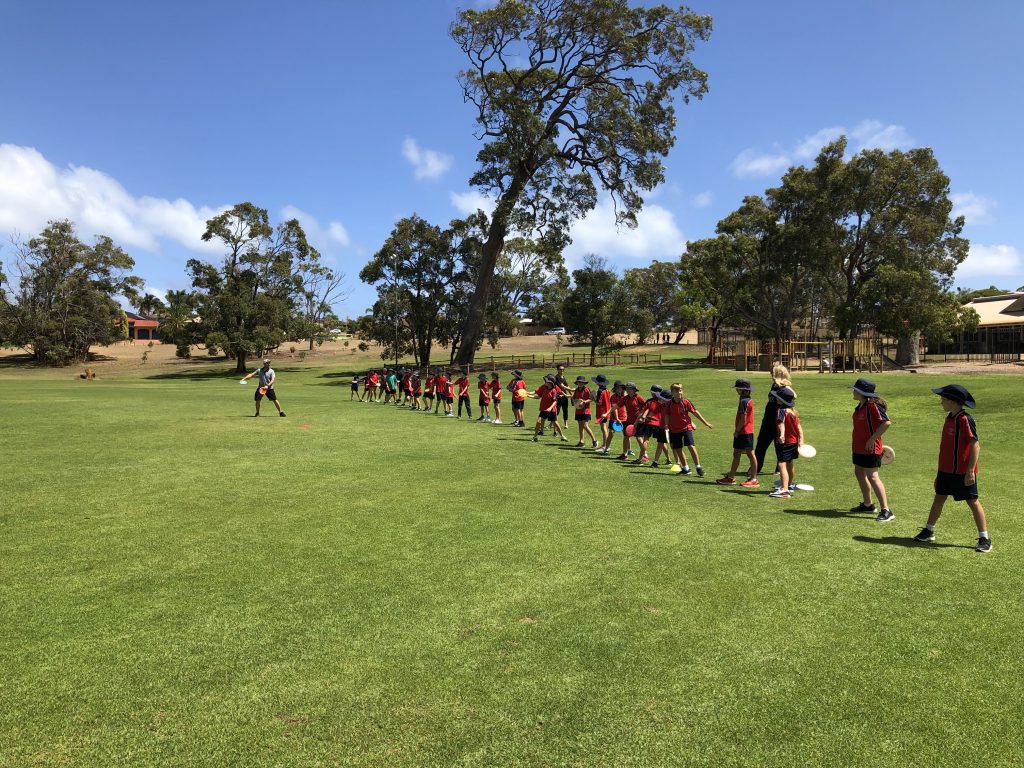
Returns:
(810, 146)
(471, 201)
(426, 163)
(872, 134)
(752, 163)
(702, 200)
(33, 192)
(867, 134)
(322, 238)
(991, 264)
(656, 236)
(974, 208)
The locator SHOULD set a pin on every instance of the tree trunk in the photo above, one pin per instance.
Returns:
(593, 350)
(240, 363)
(907, 349)
(472, 329)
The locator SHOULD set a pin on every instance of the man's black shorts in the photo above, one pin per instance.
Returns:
(271, 395)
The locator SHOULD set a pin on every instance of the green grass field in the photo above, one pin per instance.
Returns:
(182, 584)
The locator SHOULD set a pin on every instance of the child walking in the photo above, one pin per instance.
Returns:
(634, 404)
(680, 429)
(743, 438)
(484, 398)
(616, 414)
(870, 422)
(648, 424)
(603, 407)
(789, 438)
(958, 464)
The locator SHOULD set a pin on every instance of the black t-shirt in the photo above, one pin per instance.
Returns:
(564, 384)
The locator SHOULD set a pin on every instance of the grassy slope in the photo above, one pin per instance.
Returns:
(183, 584)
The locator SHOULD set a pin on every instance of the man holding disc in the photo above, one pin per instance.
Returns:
(267, 379)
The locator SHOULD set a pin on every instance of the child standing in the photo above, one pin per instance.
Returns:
(603, 406)
(449, 394)
(958, 464)
(634, 405)
(428, 391)
(648, 422)
(581, 402)
(355, 388)
(496, 396)
(548, 394)
(616, 414)
(680, 429)
(514, 386)
(484, 398)
(417, 390)
(743, 438)
(870, 422)
(789, 438)
(463, 384)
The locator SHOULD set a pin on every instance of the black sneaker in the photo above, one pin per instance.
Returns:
(579, 444)
(594, 445)
(984, 545)
(700, 471)
(282, 413)
(885, 516)
(687, 470)
(862, 507)
(925, 536)
(654, 465)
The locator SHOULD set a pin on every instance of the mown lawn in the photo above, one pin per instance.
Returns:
(182, 584)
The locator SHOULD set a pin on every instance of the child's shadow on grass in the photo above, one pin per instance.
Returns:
(907, 541)
(831, 514)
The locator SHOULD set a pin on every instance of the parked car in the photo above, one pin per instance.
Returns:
(555, 332)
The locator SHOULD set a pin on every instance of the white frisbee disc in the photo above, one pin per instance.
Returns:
(243, 381)
(804, 487)
(888, 455)
(807, 451)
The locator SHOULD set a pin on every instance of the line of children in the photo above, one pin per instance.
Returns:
(667, 417)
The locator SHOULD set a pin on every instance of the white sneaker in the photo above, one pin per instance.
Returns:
(496, 421)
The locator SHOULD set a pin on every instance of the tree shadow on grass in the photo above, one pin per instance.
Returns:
(908, 541)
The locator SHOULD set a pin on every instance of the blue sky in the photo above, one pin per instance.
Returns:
(141, 120)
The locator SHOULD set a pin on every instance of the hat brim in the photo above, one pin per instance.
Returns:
(955, 397)
(863, 393)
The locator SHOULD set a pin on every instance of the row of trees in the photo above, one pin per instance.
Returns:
(270, 286)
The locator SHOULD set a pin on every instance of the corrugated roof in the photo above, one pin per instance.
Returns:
(999, 310)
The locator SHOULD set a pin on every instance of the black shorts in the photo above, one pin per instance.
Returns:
(679, 439)
(786, 452)
(582, 417)
(549, 415)
(744, 442)
(428, 397)
(658, 433)
(517, 405)
(948, 484)
(271, 395)
(867, 460)
(482, 402)
(355, 387)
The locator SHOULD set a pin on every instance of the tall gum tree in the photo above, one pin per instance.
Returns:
(570, 95)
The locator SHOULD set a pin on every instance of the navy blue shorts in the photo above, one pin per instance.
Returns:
(679, 439)
(948, 484)
(743, 442)
(867, 460)
(582, 417)
(786, 452)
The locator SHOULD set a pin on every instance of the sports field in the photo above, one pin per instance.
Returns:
(182, 584)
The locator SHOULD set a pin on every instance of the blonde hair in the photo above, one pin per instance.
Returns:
(677, 387)
(780, 374)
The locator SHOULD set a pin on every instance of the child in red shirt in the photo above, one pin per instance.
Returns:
(789, 437)
(680, 429)
(616, 413)
(650, 424)
(958, 464)
(548, 394)
(634, 404)
(581, 402)
(870, 422)
(463, 385)
(603, 407)
(484, 397)
(514, 386)
(743, 438)
(496, 396)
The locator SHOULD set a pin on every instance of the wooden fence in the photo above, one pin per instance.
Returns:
(568, 359)
(865, 353)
